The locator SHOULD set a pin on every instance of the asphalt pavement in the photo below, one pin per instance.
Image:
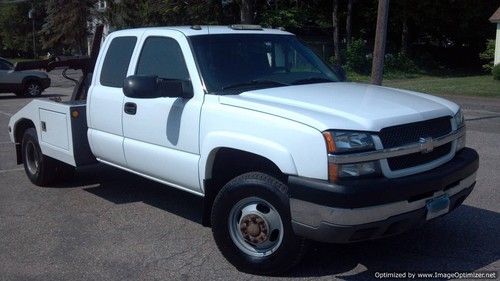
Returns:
(107, 224)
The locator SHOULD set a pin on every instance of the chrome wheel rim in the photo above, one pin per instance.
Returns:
(32, 157)
(255, 227)
(33, 90)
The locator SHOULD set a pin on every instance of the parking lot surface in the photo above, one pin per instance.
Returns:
(107, 224)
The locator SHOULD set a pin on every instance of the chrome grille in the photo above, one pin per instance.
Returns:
(411, 133)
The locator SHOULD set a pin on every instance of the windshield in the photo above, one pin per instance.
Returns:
(233, 63)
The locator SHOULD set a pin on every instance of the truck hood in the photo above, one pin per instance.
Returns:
(343, 106)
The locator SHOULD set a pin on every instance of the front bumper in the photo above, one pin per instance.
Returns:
(372, 208)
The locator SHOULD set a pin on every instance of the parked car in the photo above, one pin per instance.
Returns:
(23, 83)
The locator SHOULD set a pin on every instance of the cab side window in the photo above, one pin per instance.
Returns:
(117, 60)
(162, 57)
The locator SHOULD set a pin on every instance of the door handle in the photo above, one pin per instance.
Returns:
(130, 108)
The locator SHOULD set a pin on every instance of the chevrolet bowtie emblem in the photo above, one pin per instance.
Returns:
(426, 145)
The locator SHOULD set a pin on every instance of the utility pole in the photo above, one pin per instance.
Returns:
(380, 40)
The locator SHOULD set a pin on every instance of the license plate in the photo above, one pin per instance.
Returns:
(437, 206)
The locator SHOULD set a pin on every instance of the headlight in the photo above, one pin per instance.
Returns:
(459, 118)
(341, 142)
(345, 141)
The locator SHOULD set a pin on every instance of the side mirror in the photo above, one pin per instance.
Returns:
(340, 72)
(148, 87)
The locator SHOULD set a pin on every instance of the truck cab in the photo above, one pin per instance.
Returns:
(280, 148)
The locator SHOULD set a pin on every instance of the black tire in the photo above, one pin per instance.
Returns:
(40, 169)
(32, 88)
(19, 94)
(261, 186)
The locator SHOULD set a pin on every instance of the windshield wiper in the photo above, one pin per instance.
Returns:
(311, 80)
(253, 83)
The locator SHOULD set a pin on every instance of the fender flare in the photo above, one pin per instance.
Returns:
(270, 150)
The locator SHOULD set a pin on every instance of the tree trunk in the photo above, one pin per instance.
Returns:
(246, 11)
(348, 24)
(380, 39)
(336, 37)
(404, 37)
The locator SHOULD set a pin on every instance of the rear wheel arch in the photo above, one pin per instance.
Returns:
(21, 126)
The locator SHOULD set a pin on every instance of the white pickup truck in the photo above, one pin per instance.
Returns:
(254, 122)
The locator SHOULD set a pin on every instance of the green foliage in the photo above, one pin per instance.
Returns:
(488, 55)
(399, 62)
(16, 29)
(357, 57)
(139, 13)
(287, 18)
(496, 72)
(66, 24)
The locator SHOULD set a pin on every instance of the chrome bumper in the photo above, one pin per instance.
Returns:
(313, 215)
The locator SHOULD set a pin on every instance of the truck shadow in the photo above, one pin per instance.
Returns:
(463, 241)
(121, 187)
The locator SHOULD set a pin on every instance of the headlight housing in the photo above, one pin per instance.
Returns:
(348, 141)
(460, 122)
(459, 118)
(344, 142)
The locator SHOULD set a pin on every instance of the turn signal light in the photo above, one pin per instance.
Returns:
(330, 143)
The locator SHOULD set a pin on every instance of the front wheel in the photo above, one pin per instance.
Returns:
(251, 224)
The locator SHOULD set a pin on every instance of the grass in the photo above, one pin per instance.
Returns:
(477, 85)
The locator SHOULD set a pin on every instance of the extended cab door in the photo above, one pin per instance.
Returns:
(161, 134)
(105, 99)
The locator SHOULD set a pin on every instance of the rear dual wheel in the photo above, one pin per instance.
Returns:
(41, 169)
(251, 224)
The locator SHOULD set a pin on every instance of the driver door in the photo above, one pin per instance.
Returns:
(161, 134)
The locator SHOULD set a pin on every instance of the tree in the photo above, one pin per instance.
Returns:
(16, 30)
(380, 40)
(66, 24)
(139, 13)
(348, 24)
(336, 36)
(247, 11)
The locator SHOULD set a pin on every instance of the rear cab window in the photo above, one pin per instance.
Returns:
(117, 60)
(162, 57)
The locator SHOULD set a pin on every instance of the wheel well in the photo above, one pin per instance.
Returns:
(29, 79)
(19, 130)
(229, 163)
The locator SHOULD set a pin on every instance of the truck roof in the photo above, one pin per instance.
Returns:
(204, 30)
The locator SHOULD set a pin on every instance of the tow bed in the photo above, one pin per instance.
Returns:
(61, 130)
